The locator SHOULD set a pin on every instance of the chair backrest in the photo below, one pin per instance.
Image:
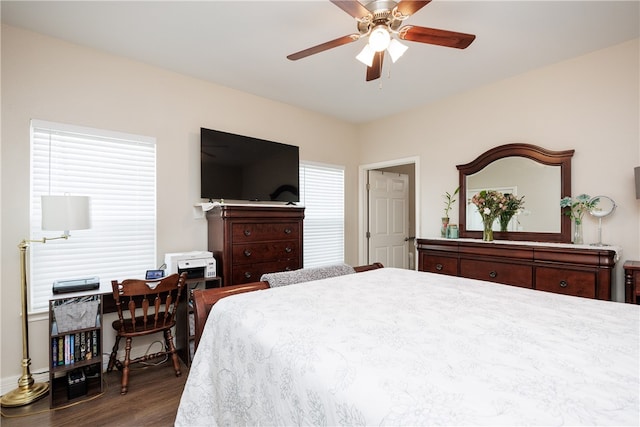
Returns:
(157, 300)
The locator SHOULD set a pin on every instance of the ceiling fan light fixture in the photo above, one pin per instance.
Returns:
(396, 49)
(379, 38)
(366, 55)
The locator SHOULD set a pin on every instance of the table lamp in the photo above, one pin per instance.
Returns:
(58, 213)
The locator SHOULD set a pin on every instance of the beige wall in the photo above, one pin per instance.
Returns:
(47, 79)
(588, 103)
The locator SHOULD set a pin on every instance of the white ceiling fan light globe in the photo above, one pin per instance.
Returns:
(379, 38)
(366, 55)
(396, 49)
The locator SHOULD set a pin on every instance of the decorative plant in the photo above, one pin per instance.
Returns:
(578, 206)
(513, 205)
(449, 200)
(490, 204)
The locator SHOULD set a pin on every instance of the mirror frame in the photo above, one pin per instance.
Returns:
(537, 154)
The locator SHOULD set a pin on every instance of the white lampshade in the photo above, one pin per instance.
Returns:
(366, 55)
(65, 213)
(379, 38)
(396, 49)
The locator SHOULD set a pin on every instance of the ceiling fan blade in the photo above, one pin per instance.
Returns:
(324, 46)
(375, 71)
(352, 7)
(409, 7)
(435, 36)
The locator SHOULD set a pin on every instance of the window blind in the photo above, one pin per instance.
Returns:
(118, 172)
(322, 194)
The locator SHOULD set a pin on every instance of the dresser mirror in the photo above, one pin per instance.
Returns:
(603, 207)
(542, 176)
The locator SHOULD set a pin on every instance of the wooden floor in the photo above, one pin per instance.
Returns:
(153, 398)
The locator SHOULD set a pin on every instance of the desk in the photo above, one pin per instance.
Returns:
(184, 325)
(185, 322)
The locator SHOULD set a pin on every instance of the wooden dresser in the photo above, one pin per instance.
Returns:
(250, 240)
(560, 268)
(632, 281)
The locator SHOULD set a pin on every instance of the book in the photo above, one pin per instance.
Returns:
(94, 342)
(54, 351)
(67, 341)
(83, 345)
(60, 351)
(72, 339)
(76, 348)
(88, 354)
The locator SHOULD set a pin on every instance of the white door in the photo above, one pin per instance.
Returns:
(388, 219)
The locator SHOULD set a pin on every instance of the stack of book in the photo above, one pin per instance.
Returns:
(74, 347)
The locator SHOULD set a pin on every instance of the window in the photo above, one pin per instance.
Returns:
(322, 194)
(118, 172)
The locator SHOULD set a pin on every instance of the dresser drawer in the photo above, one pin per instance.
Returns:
(438, 264)
(265, 251)
(566, 281)
(254, 232)
(510, 274)
(252, 272)
(564, 269)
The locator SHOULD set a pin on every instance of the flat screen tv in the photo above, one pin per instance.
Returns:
(236, 167)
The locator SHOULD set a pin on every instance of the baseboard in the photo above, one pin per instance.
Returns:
(8, 384)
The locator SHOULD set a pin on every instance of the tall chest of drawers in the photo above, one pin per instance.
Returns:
(249, 241)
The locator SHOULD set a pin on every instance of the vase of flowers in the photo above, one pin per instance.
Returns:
(490, 204)
(448, 201)
(576, 210)
(514, 205)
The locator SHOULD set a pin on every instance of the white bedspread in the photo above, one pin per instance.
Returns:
(399, 347)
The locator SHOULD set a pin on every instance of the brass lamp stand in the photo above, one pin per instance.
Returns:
(58, 213)
(28, 390)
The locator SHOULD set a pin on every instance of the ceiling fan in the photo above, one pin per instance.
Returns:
(381, 20)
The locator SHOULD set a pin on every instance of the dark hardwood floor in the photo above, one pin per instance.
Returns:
(153, 398)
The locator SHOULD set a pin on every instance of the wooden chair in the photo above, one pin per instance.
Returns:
(204, 299)
(145, 307)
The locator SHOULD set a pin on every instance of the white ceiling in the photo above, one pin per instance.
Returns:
(244, 44)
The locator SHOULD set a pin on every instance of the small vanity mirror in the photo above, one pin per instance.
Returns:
(603, 206)
(539, 175)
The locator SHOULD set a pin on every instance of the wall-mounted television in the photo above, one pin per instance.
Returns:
(237, 167)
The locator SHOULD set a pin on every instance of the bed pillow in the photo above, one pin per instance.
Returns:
(306, 275)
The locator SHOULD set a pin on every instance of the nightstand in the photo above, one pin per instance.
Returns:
(632, 282)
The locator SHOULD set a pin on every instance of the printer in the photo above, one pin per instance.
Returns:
(197, 264)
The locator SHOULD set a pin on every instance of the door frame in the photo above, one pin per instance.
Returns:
(363, 171)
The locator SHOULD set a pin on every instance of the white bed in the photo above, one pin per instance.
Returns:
(399, 347)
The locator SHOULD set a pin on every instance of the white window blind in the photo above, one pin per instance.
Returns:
(322, 194)
(118, 172)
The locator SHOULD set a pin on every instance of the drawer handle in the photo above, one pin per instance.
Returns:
(247, 275)
(288, 250)
(247, 253)
(564, 283)
(493, 274)
(287, 231)
(439, 267)
(247, 233)
(287, 268)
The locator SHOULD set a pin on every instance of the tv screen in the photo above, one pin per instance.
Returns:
(237, 167)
